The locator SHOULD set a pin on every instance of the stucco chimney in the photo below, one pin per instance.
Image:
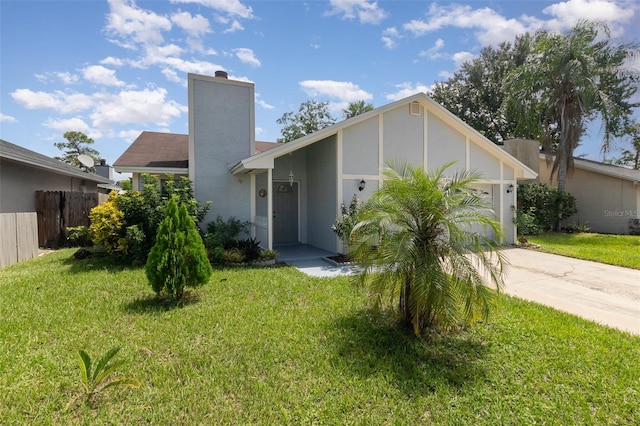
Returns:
(527, 151)
(221, 74)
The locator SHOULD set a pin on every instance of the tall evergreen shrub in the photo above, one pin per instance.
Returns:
(178, 258)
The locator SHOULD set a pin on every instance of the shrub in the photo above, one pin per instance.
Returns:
(546, 204)
(78, 236)
(107, 226)
(346, 221)
(233, 255)
(178, 258)
(526, 222)
(250, 249)
(224, 234)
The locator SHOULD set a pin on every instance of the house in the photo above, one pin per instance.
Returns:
(23, 172)
(161, 154)
(607, 196)
(291, 193)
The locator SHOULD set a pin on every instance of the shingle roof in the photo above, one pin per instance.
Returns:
(156, 150)
(608, 169)
(165, 150)
(22, 155)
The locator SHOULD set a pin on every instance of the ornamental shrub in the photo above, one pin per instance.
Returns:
(178, 257)
(107, 227)
(546, 204)
(346, 221)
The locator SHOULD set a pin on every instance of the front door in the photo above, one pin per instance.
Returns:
(285, 213)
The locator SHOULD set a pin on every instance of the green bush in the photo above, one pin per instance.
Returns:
(526, 222)
(78, 236)
(178, 258)
(546, 204)
(346, 221)
(224, 234)
(133, 230)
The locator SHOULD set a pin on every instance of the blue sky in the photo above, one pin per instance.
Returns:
(112, 69)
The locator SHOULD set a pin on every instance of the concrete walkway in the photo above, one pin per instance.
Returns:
(608, 295)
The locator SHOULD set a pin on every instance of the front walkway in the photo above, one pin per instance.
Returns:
(311, 260)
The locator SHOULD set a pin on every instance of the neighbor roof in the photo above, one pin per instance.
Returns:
(158, 152)
(606, 169)
(22, 155)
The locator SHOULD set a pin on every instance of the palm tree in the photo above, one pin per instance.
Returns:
(356, 108)
(426, 257)
(566, 81)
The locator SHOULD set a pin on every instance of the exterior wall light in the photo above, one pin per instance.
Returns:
(361, 185)
(509, 189)
(290, 177)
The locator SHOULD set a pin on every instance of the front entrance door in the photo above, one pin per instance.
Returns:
(285, 213)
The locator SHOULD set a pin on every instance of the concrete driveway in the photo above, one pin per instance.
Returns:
(608, 295)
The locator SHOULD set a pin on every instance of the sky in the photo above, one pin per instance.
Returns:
(115, 68)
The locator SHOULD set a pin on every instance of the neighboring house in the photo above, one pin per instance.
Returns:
(607, 196)
(161, 154)
(292, 193)
(23, 172)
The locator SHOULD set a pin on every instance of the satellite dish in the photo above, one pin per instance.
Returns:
(86, 161)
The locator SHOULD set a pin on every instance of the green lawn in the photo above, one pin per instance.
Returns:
(273, 346)
(621, 250)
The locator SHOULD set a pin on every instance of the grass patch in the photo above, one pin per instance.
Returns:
(274, 346)
(621, 250)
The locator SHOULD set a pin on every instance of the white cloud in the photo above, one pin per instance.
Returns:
(195, 26)
(492, 27)
(129, 135)
(407, 89)
(134, 106)
(68, 124)
(67, 78)
(568, 13)
(460, 58)
(4, 118)
(101, 75)
(230, 7)
(132, 25)
(262, 103)
(433, 52)
(58, 100)
(114, 62)
(367, 12)
(389, 37)
(343, 90)
(235, 26)
(247, 56)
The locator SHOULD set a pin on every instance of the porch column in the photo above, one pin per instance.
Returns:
(270, 208)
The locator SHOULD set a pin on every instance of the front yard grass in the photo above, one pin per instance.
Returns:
(273, 346)
(621, 250)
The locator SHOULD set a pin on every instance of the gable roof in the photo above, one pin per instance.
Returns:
(18, 154)
(156, 152)
(605, 169)
(265, 160)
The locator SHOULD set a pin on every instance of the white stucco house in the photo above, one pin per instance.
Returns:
(291, 194)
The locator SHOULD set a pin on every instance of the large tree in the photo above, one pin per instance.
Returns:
(311, 117)
(475, 93)
(356, 108)
(416, 245)
(631, 157)
(567, 81)
(77, 143)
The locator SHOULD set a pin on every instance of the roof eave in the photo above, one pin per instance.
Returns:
(152, 170)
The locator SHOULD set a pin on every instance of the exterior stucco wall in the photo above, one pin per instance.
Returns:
(322, 193)
(482, 161)
(604, 203)
(221, 132)
(19, 182)
(360, 148)
(446, 144)
(403, 135)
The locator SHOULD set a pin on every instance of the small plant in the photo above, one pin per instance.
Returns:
(233, 255)
(346, 221)
(224, 234)
(577, 228)
(97, 378)
(78, 236)
(268, 254)
(250, 249)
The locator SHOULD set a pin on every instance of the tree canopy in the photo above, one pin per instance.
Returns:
(475, 93)
(631, 156)
(77, 143)
(567, 81)
(311, 117)
(356, 108)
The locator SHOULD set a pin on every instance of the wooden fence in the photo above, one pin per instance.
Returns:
(58, 210)
(18, 237)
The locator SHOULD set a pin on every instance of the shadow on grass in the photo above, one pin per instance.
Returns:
(157, 304)
(99, 261)
(369, 345)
